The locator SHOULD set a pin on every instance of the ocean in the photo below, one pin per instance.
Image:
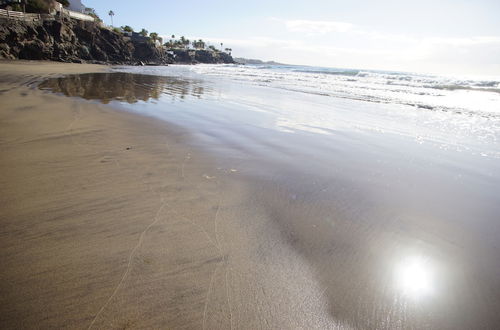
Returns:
(451, 112)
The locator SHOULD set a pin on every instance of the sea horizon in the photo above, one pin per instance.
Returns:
(432, 73)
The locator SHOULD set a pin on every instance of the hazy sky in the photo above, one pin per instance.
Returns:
(441, 36)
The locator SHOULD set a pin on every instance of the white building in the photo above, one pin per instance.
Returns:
(76, 5)
(72, 10)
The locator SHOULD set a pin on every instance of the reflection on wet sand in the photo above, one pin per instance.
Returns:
(381, 271)
(125, 87)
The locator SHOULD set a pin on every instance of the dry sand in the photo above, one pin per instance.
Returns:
(109, 220)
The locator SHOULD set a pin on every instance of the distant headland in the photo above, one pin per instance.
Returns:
(242, 60)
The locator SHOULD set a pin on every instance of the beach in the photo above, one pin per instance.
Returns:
(141, 198)
(84, 189)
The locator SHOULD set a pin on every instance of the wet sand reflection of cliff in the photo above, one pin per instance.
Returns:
(125, 87)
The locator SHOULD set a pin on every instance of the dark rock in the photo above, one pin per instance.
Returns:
(201, 56)
(4, 48)
(147, 53)
(33, 50)
(84, 52)
(183, 56)
(98, 54)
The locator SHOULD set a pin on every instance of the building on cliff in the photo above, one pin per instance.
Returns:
(76, 14)
(76, 5)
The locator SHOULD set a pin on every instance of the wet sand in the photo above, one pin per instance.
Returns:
(106, 222)
(114, 220)
(111, 220)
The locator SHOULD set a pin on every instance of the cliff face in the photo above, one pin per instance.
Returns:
(67, 41)
(201, 56)
(78, 41)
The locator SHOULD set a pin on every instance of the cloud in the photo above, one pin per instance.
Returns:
(313, 27)
(317, 27)
(471, 41)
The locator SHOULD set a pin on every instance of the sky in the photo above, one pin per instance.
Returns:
(456, 37)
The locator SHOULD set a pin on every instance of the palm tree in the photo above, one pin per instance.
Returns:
(144, 32)
(221, 45)
(198, 44)
(111, 14)
(153, 36)
(171, 44)
(127, 28)
(184, 42)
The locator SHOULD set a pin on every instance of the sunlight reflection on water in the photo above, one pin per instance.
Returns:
(414, 277)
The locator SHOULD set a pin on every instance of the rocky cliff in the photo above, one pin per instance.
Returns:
(201, 56)
(78, 41)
